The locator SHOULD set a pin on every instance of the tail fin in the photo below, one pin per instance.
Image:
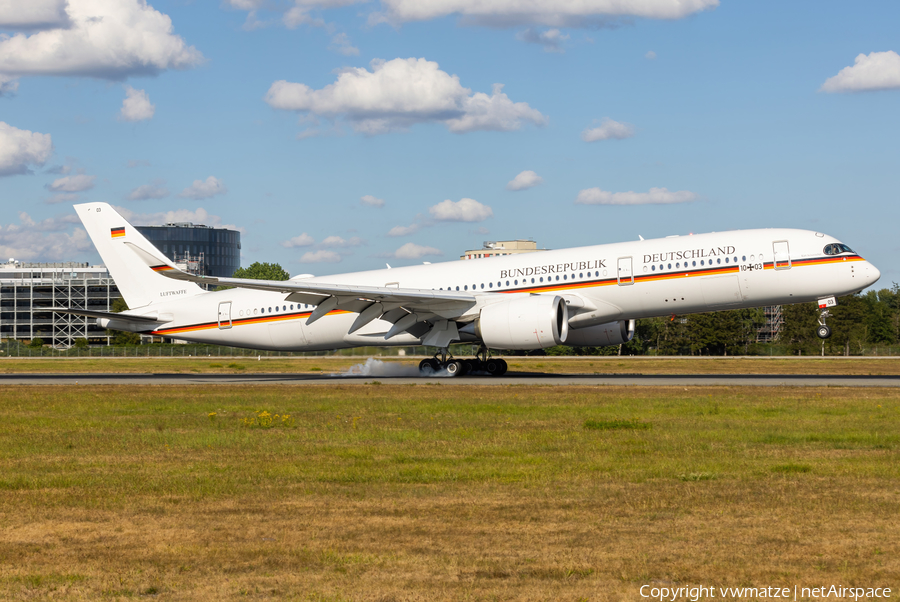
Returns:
(139, 284)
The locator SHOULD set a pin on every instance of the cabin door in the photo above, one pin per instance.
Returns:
(224, 315)
(626, 274)
(782, 255)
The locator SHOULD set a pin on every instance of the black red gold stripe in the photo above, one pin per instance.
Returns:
(243, 321)
(161, 268)
(117, 232)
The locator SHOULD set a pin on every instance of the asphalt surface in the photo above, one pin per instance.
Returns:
(522, 378)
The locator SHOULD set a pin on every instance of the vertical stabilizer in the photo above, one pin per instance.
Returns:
(139, 284)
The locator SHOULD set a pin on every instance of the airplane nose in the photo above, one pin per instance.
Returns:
(872, 273)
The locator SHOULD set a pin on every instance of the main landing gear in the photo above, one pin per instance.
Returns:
(481, 365)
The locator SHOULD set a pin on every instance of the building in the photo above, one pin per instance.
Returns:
(502, 247)
(29, 290)
(198, 249)
(771, 330)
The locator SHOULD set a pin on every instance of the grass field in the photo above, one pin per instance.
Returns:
(430, 492)
(553, 365)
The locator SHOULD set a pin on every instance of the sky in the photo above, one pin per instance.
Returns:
(340, 135)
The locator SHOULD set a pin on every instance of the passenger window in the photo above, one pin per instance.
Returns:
(507, 283)
(719, 261)
(466, 287)
(532, 281)
(694, 263)
(726, 260)
(653, 267)
(581, 275)
(517, 283)
(491, 284)
(565, 276)
(542, 278)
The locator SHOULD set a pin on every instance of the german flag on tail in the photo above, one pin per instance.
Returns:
(117, 232)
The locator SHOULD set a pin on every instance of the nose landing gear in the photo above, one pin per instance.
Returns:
(482, 365)
(823, 331)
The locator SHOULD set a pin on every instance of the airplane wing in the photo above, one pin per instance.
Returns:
(404, 307)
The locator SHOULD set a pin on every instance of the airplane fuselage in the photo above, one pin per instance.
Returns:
(600, 284)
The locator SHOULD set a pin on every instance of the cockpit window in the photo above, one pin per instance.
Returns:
(837, 249)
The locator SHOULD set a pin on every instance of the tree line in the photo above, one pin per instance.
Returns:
(858, 323)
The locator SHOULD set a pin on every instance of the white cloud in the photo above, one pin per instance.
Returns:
(204, 189)
(63, 197)
(413, 251)
(21, 148)
(650, 55)
(33, 14)
(399, 93)
(76, 183)
(464, 210)
(52, 239)
(550, 13)
(156, 190)
(136, 106)
(404, 230)
(525, 180)
(371, 201)
(8, 85)
(340, 43)
(608, 129)
(304, 240)
(338, 242)
(321, 256)
(875, 71)
(550, 39)
(200, 216)
(656, 196)
(107, 39)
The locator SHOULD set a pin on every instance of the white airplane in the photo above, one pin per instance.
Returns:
(581, 296)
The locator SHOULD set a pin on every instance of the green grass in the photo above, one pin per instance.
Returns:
(445, 492)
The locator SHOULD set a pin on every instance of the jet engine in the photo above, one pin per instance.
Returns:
(611, 333)
(532, 322)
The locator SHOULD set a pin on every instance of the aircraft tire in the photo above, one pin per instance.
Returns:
(454, 368)
(428, 367)
(503, 367)
(823, 331)
(492, 367)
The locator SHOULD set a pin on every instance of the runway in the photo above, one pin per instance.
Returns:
(511, 379)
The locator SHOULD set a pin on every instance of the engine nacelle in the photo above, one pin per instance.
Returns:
(532, 322)
(611, 333)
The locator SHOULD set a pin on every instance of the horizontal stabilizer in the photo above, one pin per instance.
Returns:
(103, 315)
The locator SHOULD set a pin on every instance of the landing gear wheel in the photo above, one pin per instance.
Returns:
(503, 367)
(428, 367)
(454, 368)
(492, 367)
(823, 331)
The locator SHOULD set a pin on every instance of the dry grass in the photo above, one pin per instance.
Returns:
(428, 492)
(549, 365)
